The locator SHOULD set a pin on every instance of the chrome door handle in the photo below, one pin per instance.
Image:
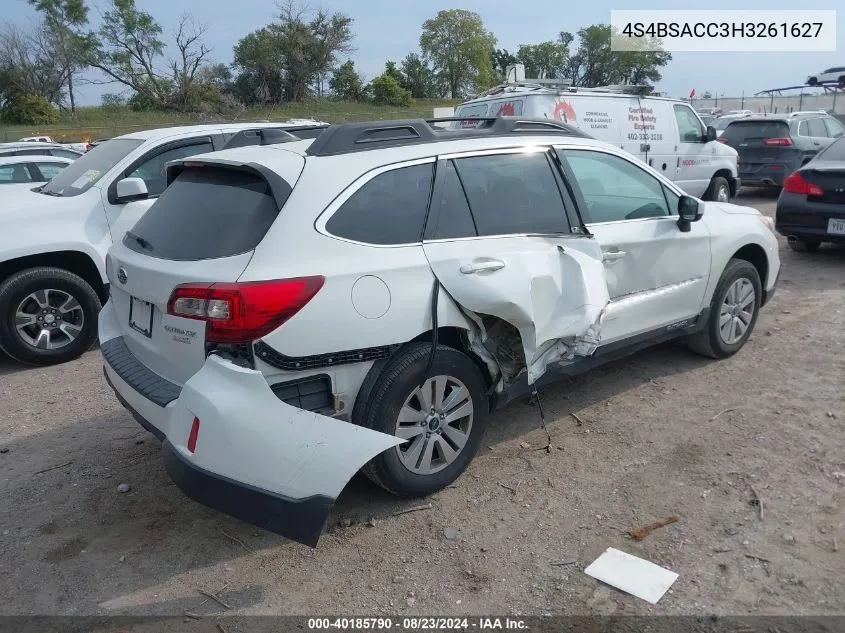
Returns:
(612, 256)
(482, 266)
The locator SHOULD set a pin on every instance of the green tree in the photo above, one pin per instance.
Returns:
(29, 109)
(30, 63)
(545, 60)
(418, 77)
(459, 49)
(346, 83)
(595, 64)
(500, 59)
(258, 62)
(387, 91)
(130, 51)
(64, 21)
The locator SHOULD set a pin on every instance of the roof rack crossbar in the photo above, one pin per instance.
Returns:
(358, 137)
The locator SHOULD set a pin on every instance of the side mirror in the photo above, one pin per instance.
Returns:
(131, 189)
(711, 134)
(689, 210)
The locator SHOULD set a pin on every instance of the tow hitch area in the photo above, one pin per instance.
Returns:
(261, 460)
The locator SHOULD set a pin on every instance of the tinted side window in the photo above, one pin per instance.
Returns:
(13, 173)
(453, 217)
(41, 151)
(614, 188)
(63, 153)
(816, 128)
(50, 170)
(689, 127)
(389, 209)
(512, 194)
(152, 170)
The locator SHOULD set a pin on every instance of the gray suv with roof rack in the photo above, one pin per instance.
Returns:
(772, 146)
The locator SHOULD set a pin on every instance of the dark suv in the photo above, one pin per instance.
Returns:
(771, 147)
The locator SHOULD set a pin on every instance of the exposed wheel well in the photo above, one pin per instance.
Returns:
(455, 337)
(72, 261)
(756, 256)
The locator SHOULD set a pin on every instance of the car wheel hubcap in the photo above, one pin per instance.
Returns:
(737, 311)
(722, 195)
(49, 319)
(435, 420)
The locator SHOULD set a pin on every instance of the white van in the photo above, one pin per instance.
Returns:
(665, 133)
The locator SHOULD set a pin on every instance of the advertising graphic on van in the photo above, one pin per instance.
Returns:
(598, 120)
(564, 111)
(506, 109)
(642, 118)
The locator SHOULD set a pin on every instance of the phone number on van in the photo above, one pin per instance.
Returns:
(644, 136)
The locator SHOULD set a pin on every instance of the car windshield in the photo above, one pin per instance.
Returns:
(86, 170)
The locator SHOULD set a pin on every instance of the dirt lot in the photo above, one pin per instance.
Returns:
(665, 433)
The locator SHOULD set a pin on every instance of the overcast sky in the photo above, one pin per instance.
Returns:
(389, 29)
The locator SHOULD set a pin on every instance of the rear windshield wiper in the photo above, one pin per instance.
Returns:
(140, 241)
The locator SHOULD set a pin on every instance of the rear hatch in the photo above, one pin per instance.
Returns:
(827, 171)
(760, 144)
(199, 235)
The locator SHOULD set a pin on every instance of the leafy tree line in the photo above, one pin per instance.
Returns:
(296, 57)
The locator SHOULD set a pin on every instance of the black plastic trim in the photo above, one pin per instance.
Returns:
(138, 417)
(146, 382)
(348, 138)
(301, 363)
(604, 354)
(312, 393)
(260, 136)
(301, 520)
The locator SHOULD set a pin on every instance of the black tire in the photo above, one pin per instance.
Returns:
(395, 384)
(718, 183)
(842, 81)
(801, 245)
(812, 81)
(709, 341)
(18, 286)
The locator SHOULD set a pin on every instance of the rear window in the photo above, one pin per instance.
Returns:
(206, 213)
(739, 131)
(834, 151)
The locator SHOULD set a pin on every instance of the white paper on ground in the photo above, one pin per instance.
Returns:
(633, 575)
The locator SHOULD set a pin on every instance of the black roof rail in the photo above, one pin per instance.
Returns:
(363, 136)
(274, 135)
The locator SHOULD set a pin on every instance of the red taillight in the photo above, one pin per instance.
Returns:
(795, 183)
(243, 312)
(722, 139)
(780, 142)
(192, 436)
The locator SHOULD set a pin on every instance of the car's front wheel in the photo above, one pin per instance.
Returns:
(733, 312)
(442, 420)
(719, 190)
(47, 316)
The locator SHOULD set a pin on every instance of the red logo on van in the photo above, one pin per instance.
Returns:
(564, 111)
(507, 109)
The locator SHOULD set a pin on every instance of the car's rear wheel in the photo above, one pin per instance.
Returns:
(812, 81)
(733, 312)
(802, 245)
(47, 316)
(842, 81)
(443, 420)
(719, 190)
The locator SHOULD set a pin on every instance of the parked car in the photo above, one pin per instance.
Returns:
(53, 240)
(79, 147)
(835, 74)
(773, 146)
(667, 134)
(811, 206)
(721, 122)
(29, 170)
(285, 316)
(31, 148)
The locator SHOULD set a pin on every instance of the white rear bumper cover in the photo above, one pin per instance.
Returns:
(256, 458)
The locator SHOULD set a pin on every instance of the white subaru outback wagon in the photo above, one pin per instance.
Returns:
(286, 315)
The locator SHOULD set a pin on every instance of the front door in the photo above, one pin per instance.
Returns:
(694, 155)
(656, 274)
(150, 168)
(499, 241)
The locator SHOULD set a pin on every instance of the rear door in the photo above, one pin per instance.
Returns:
(500, 242)
(817, 133)
(656, 275)
(203, 228)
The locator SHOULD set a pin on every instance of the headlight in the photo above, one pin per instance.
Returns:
(768, 222)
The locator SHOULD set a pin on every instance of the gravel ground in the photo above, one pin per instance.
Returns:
(665, 433)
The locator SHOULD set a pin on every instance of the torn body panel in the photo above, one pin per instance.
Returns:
(252, 456)
(551, 289)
